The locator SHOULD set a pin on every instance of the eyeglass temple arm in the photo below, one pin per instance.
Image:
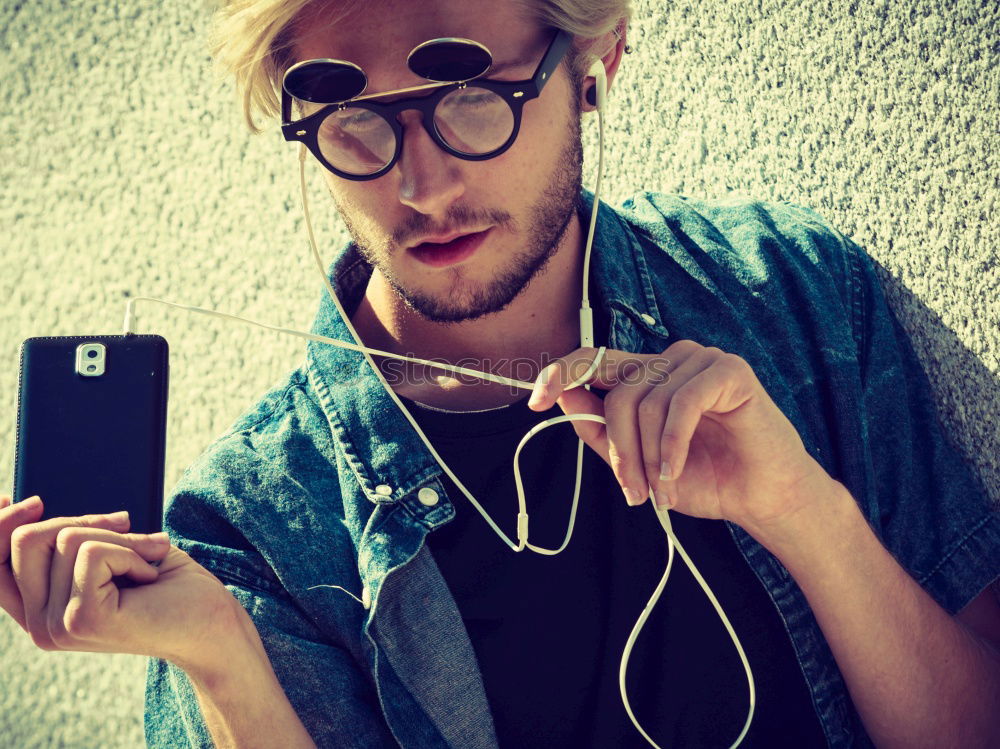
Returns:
(286, 107)
(554, 55)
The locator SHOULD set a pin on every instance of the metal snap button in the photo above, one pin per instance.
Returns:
(427, 496)
(648, 319)
(366, 597)
(383, 490)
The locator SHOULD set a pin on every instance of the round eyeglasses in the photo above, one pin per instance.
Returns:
(358, 138)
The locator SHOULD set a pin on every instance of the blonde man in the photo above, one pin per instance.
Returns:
(330, 585)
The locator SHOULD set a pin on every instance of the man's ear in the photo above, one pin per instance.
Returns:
(611, 59)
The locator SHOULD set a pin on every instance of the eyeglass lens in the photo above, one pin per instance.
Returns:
(471, 120)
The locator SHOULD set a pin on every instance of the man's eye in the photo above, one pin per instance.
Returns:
(359, 120)
(474, 99)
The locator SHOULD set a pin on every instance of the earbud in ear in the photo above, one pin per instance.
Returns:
(597, 94)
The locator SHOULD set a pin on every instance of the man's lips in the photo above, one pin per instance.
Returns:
(442, 238)
(447, 249)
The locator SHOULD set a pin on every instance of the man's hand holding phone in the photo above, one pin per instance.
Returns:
(60, 578)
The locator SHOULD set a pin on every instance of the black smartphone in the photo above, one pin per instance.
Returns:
(91, 426)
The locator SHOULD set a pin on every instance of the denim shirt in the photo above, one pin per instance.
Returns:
(325, 482)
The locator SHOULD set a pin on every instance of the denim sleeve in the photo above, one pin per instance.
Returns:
(926, 503)
(228, 513)
(324, 686)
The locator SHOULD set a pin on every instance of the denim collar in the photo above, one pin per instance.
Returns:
(361, 413)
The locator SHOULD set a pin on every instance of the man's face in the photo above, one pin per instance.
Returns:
(525, 197)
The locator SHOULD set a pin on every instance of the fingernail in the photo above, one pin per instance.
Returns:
(664, 471)
(160, 538)
(31, 502)
(118, 517)
(631, 496)
(663, 499)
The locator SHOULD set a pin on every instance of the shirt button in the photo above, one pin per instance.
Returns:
(383, 490)
(427, 496)
(648, 319)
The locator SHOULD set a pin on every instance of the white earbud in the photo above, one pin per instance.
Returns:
(601, 82)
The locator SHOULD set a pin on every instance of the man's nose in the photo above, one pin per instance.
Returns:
(430, 178)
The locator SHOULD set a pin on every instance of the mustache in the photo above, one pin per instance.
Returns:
(459, 218)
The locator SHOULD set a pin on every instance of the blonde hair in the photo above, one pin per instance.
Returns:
(252, 40)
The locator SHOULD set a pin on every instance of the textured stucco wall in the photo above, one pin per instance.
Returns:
(125, 170)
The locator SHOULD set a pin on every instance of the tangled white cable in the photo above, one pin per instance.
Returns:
(586, 336)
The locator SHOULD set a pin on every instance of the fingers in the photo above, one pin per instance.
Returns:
(629, 377)
(615, 368)
(552, 380)
(620, 441)
(11, 517)
(31, 549)
(636, 414)
(624, 451)
(94, 599)
(646, 446)
(720, 388)
(594, 434)
(80, 573)
(636, 410)
(652, 409)
(653, 413)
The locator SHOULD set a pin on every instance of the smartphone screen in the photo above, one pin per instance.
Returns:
(91, 426)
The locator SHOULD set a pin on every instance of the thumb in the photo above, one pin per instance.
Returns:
(582, 401)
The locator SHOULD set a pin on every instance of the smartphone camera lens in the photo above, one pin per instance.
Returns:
(90, 359)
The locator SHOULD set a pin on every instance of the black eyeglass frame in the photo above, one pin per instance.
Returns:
(515, 93)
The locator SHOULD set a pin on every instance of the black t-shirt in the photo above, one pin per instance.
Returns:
(549, 631)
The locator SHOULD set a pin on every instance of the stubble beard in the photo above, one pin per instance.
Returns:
(469, 300)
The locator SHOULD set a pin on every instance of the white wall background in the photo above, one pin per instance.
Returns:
(125, 171)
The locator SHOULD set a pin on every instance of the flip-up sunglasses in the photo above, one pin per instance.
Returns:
(359, 138)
